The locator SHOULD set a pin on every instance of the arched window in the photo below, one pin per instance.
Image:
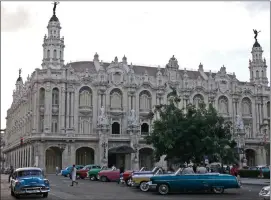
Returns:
(262, 74)
(55, 96)
(48, 54)
(54, 126)
(144, 129)
(55, 54)
(257, 74)
(115, 128)
(145, 101)
(60, 55)
(246, 106)
(42, 96)
(85, 97)
(223, 105)
(116, 99)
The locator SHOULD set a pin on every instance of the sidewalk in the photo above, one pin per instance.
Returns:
(255, 181)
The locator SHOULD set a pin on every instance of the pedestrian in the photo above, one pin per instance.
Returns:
(195, 168)
(73, 175)
(201, 169)
(10, 173)
(57, 170)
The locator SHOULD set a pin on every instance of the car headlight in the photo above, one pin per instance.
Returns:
(46, 182)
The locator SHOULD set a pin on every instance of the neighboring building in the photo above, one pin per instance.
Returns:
(95, 112)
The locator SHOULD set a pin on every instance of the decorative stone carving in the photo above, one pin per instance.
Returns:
(239, 124)
(132, 121)
(102, 119)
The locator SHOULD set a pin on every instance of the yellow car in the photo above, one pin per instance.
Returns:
(141, 180)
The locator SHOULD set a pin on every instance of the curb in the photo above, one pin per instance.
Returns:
(257, 184)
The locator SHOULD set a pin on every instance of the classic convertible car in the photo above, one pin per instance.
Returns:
(141, 180)
(29, 180)
(93, 173)
(187, 180)
(67, 171)
(109, 175)
(83, 173)
(265, 193)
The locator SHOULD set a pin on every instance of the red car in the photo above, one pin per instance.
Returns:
(109, 175)
(127, 175)
(83, 173)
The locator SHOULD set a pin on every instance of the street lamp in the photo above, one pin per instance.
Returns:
(85, 158)
(104, 145)
(136, 150)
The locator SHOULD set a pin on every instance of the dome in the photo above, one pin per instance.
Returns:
(54, 19)
(19, 79)
(256, 44)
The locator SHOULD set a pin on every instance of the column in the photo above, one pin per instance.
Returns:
(72, 110)
(62, 109)
(30, 156)
(35, 110)
(67, 110)
(75, 112)
(48, 108)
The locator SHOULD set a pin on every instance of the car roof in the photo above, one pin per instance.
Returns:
(28, 168)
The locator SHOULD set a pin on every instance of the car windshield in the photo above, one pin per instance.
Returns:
(68, 168)
(187, 170)
(29, 173)
(154, 169)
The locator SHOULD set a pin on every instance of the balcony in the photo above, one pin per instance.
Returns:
(144, 112)
(85, 109)
(55, 108)
(116, 111)
(42, 108)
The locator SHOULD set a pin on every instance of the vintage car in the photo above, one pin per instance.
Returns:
(29, 180)
(141, 180)
(186, 180)
(67, 171)
(109, 175)
(127, 175)
(83, 173)
(93, 173)
(265, 193)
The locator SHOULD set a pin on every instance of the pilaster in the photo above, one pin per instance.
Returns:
(48, 108)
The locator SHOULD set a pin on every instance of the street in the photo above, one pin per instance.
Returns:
(61, 189)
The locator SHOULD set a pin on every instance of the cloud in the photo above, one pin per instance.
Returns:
(12, 21)
(258, 6)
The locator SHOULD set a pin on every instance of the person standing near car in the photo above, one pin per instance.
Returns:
(10, 173)
(73, 175)
(57, 170)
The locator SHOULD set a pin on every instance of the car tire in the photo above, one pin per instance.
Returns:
(163, 189)
(103, 179)
(218, 190)
(144, 187)
(129, 182)
(45, 195)
(17, 196)
(92, 177)
(65, 175)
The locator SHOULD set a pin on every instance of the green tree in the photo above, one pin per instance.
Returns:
(192, 134)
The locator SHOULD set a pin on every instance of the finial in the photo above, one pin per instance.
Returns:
(54, 9)
(20, 72)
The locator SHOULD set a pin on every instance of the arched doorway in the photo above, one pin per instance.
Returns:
(84, 156)
(250, 156)
(146, 158)
(53, 159)
(120, 156)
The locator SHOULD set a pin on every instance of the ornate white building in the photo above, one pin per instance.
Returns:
(95, 112)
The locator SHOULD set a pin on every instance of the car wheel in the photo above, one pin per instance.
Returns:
(45, 195)
(92, 177)
(218, 190)
(144, 187)
(17, 196)
(65, 175)
(129, 182)
(103, 179)
(163, 189)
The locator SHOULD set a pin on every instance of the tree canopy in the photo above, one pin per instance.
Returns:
(191, 134)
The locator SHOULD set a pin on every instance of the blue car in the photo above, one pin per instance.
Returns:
(67, 171)
(27, 181)
(187, 180)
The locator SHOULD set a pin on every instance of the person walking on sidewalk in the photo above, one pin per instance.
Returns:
(73, 175)
(57, 170)
(10, 173)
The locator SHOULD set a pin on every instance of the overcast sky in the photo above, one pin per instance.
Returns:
(148, 33)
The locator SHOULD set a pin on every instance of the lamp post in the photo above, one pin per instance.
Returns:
(136, 150)
(104, 145)
(85, 162)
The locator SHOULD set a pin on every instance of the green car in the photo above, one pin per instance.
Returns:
(92, 173)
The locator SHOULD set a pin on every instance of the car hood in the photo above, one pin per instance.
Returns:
(108, 171)
(33, 180)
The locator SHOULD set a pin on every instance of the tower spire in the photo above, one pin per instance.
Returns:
(54, 9)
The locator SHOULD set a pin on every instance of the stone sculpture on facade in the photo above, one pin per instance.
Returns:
(132, 121)
(102, 119)
(239, 123)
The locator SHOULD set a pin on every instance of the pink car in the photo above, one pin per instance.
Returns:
(109, 175)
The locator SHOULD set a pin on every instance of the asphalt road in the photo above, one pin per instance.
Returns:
(88, 190)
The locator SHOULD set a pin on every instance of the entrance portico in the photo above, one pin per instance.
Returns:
(120, 156)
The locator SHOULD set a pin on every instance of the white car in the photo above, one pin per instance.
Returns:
(265, 193)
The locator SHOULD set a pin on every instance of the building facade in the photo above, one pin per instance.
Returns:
(95, 112)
